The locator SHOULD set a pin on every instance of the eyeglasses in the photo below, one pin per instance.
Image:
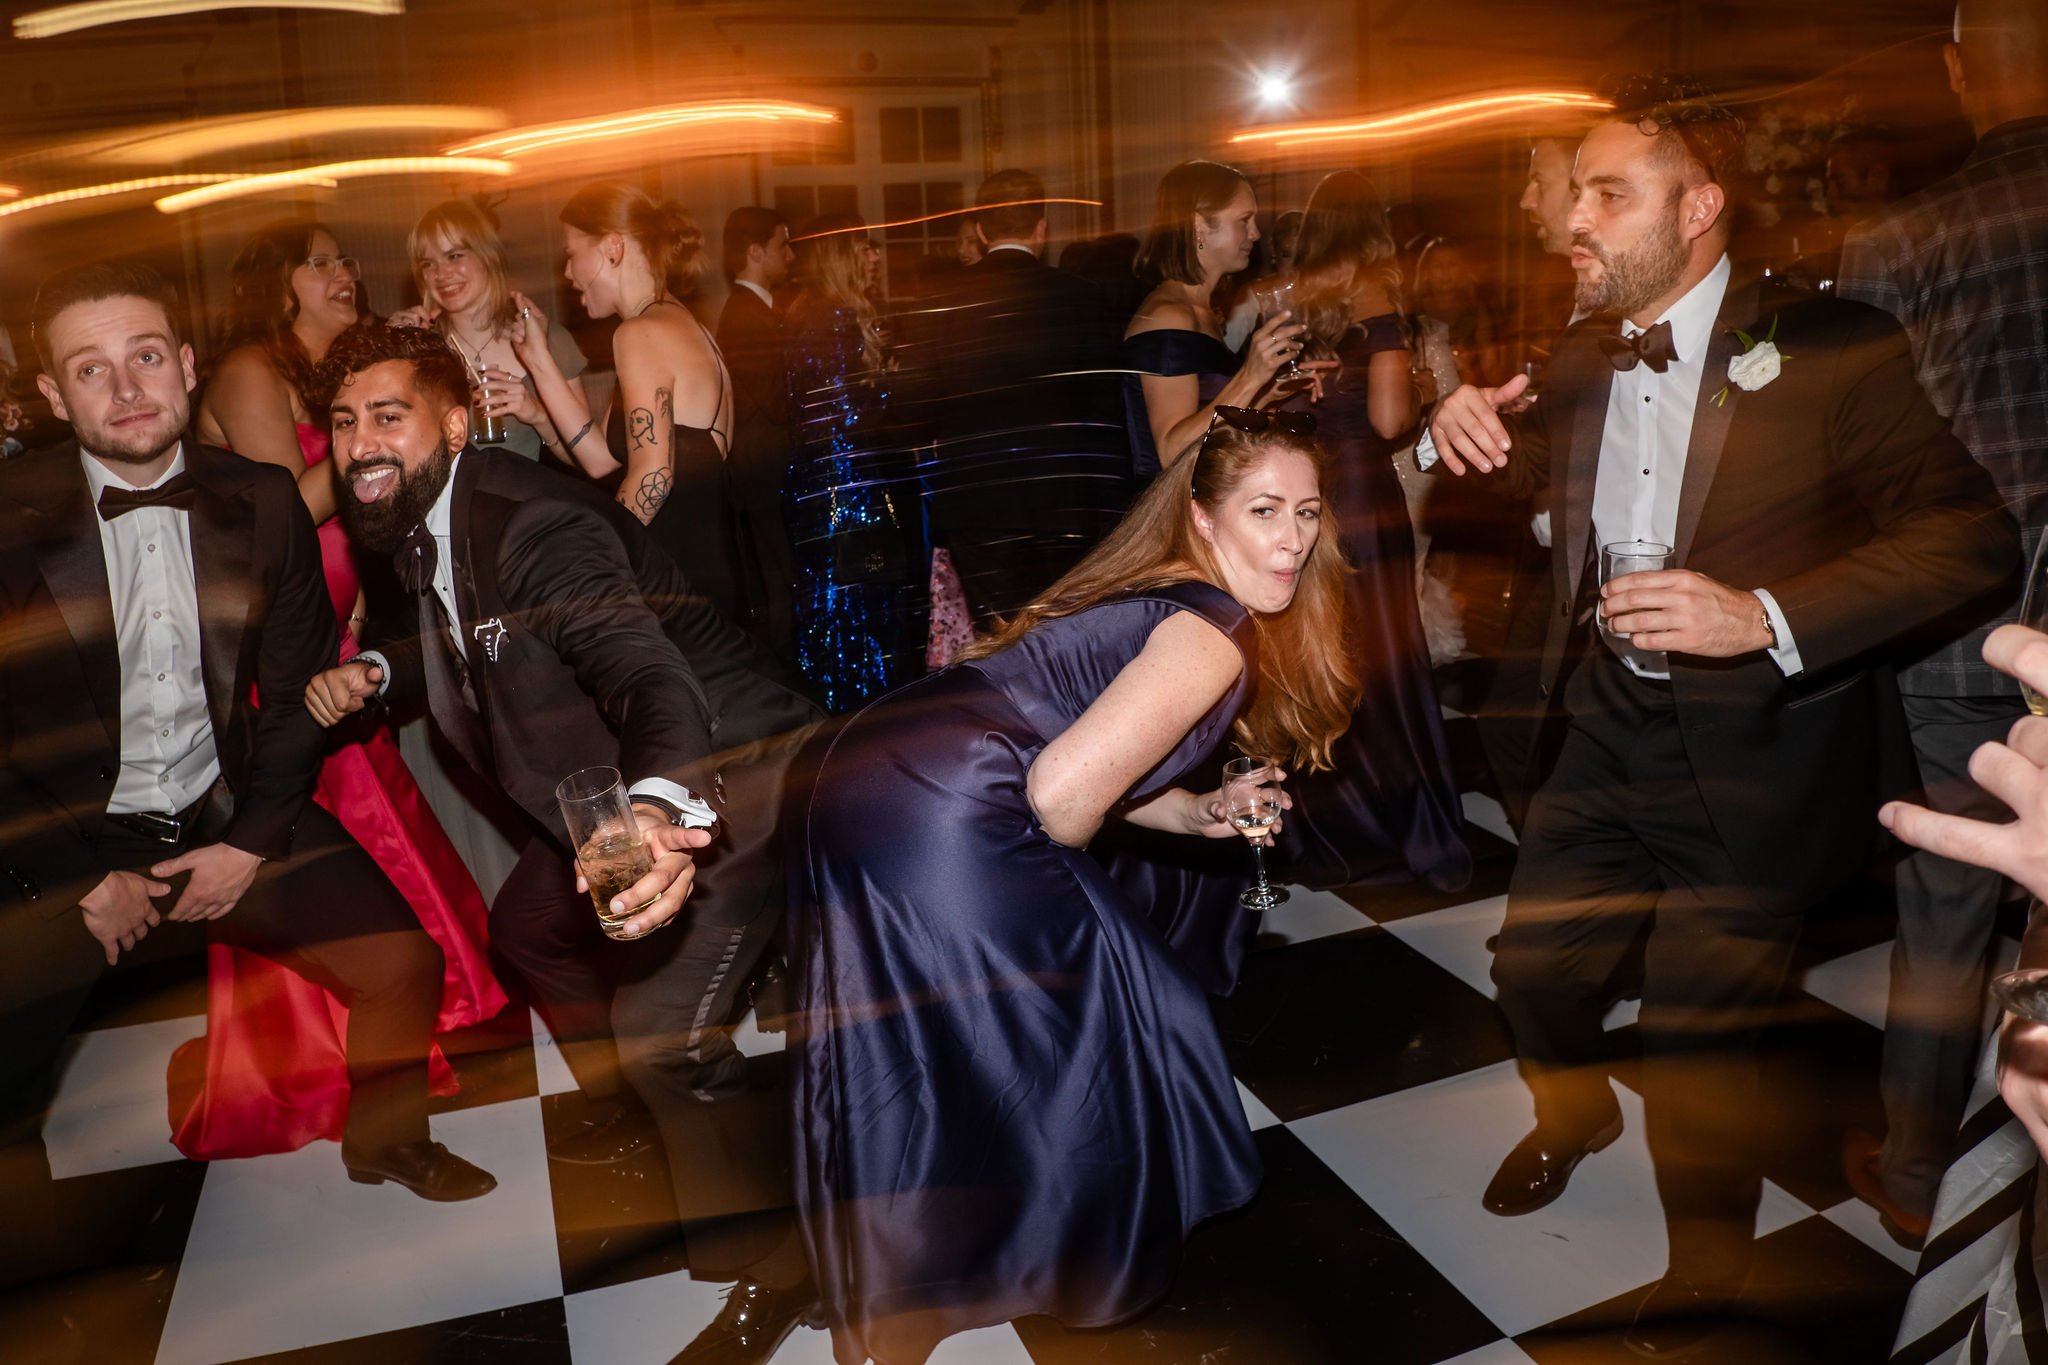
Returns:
(1252, 421)
(327, 265)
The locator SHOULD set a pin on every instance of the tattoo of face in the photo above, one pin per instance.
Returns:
(640, 428)
(652, 493)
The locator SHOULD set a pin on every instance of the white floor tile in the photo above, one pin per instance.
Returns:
(1485, 812)
(111, 1109)
(645, 1322)
(1307, 914)
(1622, 1013)
(549, 1069)
(1493, 1353)
(1255, 1111)
(1421, 1158)
(286, 1251)
(1454, 938)
(749, 1039)
(1859, 1220)
(1858, 983)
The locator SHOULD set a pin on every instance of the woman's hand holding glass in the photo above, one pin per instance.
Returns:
(419, 315)
(529, 335)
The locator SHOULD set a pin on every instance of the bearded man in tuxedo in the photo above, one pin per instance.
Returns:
(1734, 726)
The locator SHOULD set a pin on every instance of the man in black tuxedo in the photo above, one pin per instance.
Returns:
(1730, 740)
(757, 258)
(1029, 464)
(149, 586)
(546, 633)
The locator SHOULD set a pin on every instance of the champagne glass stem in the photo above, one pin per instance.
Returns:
(1259, 862)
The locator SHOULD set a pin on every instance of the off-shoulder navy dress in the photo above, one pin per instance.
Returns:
(1009, 1094)
(1168, 351)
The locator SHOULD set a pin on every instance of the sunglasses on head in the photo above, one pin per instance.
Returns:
(1253, 421)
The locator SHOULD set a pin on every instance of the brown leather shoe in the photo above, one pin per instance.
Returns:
(428, 1169)
(1536, 1171)
(1862, 1167)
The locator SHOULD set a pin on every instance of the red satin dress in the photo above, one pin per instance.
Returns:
(275, 1072)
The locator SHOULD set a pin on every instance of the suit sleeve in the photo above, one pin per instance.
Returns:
(563, 568)
(299, 639)
(1942, 534)
(45, 858)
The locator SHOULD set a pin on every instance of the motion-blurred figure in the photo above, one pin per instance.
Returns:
(757, 257)
(1961, 264)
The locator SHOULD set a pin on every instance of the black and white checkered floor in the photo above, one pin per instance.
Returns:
(1372, 1064)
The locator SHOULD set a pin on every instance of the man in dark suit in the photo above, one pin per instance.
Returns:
(546, 633)
(757, 258)
(150, 588)
(1731, 731)
(1029, 464)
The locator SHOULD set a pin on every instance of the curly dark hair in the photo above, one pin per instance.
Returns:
(437, 367)
(1708, 137)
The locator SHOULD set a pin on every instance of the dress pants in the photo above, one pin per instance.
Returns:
(1619, 843)
(327, 912)
(658, 1014)
(1947, 912)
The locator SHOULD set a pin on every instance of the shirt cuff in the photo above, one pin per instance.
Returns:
(371, 656)
(1539, 527)
(1425, 451)
(697, 813)
(1786, 652)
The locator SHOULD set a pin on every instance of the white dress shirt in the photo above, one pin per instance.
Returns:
(168, 759)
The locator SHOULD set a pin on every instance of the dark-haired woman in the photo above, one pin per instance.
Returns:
(1204, 227)
(670, 422)
(276, 1076)
(1010, 1097)
(1388, 810)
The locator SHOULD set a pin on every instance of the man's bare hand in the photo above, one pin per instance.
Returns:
(342, 691)
(221, 876)
(118, 912)
(661, 893)
(1682, 612)
(1467, 429)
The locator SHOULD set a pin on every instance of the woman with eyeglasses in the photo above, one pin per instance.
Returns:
(1010, 1096)
(293, 294)
(1204, 227)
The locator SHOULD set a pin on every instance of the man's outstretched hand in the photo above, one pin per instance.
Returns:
(342, 691)
(1467, 429)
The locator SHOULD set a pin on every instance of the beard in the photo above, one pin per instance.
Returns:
(382, 526)
(1634, 278)
(135, 446)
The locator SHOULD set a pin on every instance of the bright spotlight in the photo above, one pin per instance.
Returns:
(1275, 87)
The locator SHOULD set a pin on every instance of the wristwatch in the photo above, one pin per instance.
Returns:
(668, 808)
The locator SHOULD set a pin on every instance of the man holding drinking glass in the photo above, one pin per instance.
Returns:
(1733, 729)
(546, 634)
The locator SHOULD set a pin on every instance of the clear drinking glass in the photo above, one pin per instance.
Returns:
(485, 429)
(1251, 802)
(606, 837)
(1620, 558)
(1274, 299)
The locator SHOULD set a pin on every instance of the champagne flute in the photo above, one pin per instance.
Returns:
(2024, 991)
(1251, 802)
(606, 837)
(1273, 300)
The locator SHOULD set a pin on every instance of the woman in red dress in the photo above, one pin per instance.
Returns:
(275, 1077)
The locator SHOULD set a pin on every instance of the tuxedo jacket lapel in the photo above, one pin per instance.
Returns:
(1586, 386)
(223, 549)
(75, 569)
(1710, 420)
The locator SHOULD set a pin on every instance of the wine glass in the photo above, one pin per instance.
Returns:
(1273, 300)
(2024, 991)
(1251, 802)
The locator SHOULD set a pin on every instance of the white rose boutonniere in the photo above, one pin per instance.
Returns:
(1759, 364)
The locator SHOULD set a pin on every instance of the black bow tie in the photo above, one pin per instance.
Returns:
(176, 491)
(1652, 348)
(416, 558)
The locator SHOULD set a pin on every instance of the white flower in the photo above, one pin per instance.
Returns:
(1755, 368)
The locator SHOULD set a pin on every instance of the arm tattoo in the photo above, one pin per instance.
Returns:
(652, 493)
(640, 428)
(664, 403)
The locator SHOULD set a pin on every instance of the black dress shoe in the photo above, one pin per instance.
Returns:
(428, 1169)
(1675, 1317)
(605, 1131)
(754, 1323)
(1536, 1171)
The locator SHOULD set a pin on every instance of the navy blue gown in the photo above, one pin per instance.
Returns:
(1009, 1095)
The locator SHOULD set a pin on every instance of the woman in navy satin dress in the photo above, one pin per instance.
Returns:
(1009, 1096)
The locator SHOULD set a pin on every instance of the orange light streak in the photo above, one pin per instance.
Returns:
(949, 213)
(48, 23)
(328, 176)
(523, 141)
(1434, 118)
(9, 191)
(154, 182)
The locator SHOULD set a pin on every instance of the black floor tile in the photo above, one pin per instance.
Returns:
(106, 1248)
(1384, 904)
(493, 1061)
(1818, 1069)
(1333, 1021)
(1307, 1274)
(172, 989)
(612, 1223)
(531, 1334)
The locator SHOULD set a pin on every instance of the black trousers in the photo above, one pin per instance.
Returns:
(767, 567)
(1618, 843)
(658, 1014)
(1947, 913)
(327, 912)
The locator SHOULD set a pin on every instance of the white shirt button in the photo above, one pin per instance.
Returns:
(160, 677)
(156, 616)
